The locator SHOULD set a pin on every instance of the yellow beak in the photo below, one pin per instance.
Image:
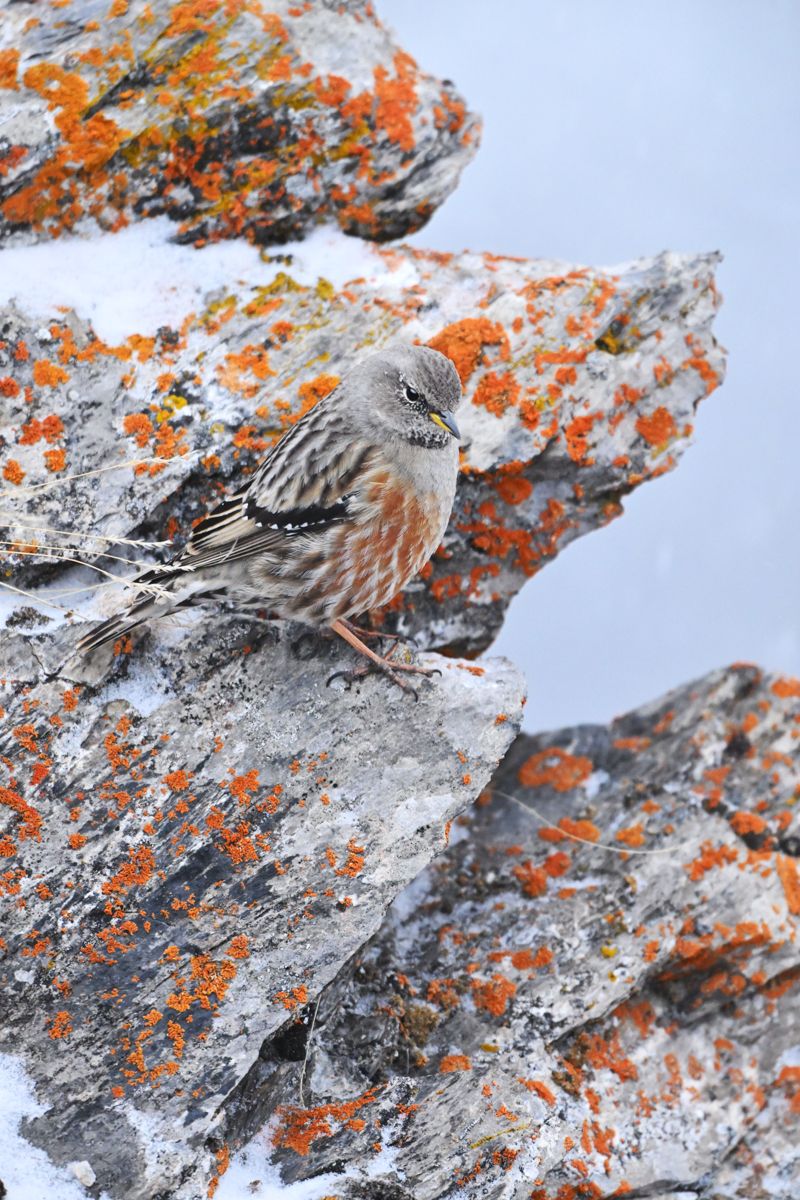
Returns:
(446, 422)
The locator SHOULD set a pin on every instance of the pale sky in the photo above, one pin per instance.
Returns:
(613, 131)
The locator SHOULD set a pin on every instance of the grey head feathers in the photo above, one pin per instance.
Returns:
(408, 393)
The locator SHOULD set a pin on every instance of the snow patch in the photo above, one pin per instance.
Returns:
(139, 279)
(596, 781)
(789, 1058)
(252, 1174)
(26, 1171)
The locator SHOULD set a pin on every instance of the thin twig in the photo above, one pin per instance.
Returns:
(20, 490)
(31, 596)
(305, 1056)
(54, 551)
(587, 841)
(152, 589)
(13, 519)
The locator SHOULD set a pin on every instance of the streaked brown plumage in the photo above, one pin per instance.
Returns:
(344, 510)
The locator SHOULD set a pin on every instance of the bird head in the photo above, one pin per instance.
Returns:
(412, 393)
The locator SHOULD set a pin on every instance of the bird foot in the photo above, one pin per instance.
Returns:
(385, 666)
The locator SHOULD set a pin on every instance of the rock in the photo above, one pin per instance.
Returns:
(200, 838)
(83, 1172)
(195, 840)
(543, 1016)
(233, 117)
(580, 385)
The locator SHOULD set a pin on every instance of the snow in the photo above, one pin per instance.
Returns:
(26, 1171)
(138, 279)
(28, 1174)
(251, 1173)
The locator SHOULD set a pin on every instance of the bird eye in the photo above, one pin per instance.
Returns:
(412, 393)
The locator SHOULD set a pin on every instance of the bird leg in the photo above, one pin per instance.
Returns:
(385, 664)
(377, 634)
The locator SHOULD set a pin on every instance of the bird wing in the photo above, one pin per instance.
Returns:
(307, 482)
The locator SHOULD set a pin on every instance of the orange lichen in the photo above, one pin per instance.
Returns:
(223, 1157)
(786, 688)
(396, 101)
(497, 392)
(658, 427)
(138, 425)
(354, 864)
(465, 341)
(541, 1089)
(789, 876)
(554, 768)
(632, 836)
(48, 374)
(13, 472)
(607, 1053)
(298, 1128)
(513, 489)
(454, 1062)
(315, 390)
(746, 822)
(494, 994)
(55, 460)
(634, 744)
(61, 1025)
(583, 831)
(134, 873)
(250, 360)
(709, 858)
(533, 879)
(331, 90)
(51, 428)
(705, 371)
(294, 999)
(31, 819)
(239, 947)
(577, 433)
(9, 63)
(237, 841)
(211, 982)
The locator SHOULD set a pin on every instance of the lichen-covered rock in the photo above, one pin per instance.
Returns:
(580, 384)
(194, 841)
(594, 991)
(233, 117)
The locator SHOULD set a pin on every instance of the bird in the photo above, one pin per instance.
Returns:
(342, 512)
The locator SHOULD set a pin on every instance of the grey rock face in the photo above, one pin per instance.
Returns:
(196, 840)
(580, 385)
(233, 118)
(218, 903)
(541, 1016)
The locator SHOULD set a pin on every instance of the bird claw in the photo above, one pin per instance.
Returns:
(348, 676)
(390, 670)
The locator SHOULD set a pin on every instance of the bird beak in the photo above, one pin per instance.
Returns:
(446, 422)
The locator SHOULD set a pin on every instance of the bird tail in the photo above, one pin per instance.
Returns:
(157, 601)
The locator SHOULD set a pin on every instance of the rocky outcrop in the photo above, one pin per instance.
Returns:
(233, 117)
(219, 905)
(201, 835)
(194, 843)
(594, 990)
(580, 385)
